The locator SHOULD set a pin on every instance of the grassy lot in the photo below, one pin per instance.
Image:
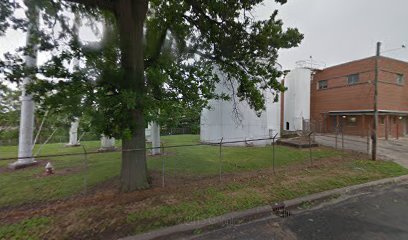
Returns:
(30, 186)
(193, 190)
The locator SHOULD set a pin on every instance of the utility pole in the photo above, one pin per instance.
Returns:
(375, 125)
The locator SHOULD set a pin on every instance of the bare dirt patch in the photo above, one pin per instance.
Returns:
(41, 169)
(60, 172)
(40, 163)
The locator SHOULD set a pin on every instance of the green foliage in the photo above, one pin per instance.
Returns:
(9, 112)
(154, 56)
(5, 13)
(53, 119)
(185, 43)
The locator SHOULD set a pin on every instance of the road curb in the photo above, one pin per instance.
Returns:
(326, 194)
(184, 230)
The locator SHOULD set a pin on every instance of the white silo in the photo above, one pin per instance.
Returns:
(297, 99)
(221, 121)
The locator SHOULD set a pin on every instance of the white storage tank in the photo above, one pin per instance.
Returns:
(220, 121)
(297, 99)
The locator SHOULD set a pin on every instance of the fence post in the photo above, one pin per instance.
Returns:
(163, 172)
(273, 153)
(163, 165)
(368, 142)
(86, 169)
(220, 162)
(174, 168)
(337, 132)
(342, 143)
(310, 149)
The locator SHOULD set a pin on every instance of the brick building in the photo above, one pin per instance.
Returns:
(343, 96)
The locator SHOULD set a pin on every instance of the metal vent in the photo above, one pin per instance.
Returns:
(280, 210)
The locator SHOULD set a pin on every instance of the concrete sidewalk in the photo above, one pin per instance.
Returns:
(395, 150)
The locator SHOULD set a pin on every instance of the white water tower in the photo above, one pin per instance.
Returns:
(222, 122)
(297, 99)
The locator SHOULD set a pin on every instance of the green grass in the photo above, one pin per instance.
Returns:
(215, 201)
(27, 229)
(209, 203)
(205, 159)
(28, 185)
(131, 213)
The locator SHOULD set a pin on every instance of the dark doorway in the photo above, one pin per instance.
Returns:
(406, 126)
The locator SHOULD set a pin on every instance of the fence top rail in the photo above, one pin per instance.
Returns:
(141, 149)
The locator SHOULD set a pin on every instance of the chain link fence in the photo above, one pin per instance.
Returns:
(340, 140)
(86, 178)
(50, 138)
(183, 160)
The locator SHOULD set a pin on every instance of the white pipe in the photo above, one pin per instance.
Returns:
(80, 137)
(25, 142)
(107, 144)
(155, 135)
(73, 133)
(46, 141)
(40, 128)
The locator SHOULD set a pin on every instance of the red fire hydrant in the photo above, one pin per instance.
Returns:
(49, 169)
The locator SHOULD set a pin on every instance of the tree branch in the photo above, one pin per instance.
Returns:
(199, 11)
(102, 4)
(157, 47)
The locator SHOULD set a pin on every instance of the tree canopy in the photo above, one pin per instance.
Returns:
(154, 55)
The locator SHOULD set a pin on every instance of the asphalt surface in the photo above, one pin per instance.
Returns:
(377, 213)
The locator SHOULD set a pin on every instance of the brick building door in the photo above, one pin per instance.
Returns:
(406, 127)
(333, 126)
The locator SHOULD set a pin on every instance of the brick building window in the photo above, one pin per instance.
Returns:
(353, 79)
(381, 119)
(322, 84)
(400, 79)
(352, 121)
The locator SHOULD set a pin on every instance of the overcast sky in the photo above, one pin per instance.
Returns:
(336, 31)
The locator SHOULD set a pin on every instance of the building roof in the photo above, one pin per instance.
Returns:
(363, 59)
(367, 112)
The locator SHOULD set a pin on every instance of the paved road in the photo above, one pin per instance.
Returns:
(395, 150)
(379, 213)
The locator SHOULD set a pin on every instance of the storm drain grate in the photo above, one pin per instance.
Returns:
(280, 210)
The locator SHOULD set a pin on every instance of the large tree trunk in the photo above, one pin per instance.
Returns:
(130, 16)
